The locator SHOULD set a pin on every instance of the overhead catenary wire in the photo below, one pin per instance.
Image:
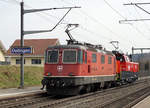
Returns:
(114, 10)
(47, 15)
(97, 21)
(82, 28)
(94, 33)
(97, 34)
(87, 30)
(15, 2)
(107, 28)
(145, 24)
(135, 28)
(72, 4)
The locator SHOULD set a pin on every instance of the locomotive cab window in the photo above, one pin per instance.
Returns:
(52, 56)
(69, 56)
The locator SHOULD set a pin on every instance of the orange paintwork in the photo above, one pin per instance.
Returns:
(118, 66)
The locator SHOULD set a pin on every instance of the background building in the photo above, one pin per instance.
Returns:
(144, 62)
(36, 58)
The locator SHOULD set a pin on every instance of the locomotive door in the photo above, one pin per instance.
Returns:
(87, 63)
(89, 68)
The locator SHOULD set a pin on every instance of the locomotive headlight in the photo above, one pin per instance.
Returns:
(48, 74)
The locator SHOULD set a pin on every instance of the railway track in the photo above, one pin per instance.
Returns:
(104, 98)
(127, 100)
(108, 99)
(23, 99)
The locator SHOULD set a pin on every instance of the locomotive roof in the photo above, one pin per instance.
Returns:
(68, 47)
(80, 47)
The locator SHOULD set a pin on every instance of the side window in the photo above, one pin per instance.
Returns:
(85, 57)
(18, 61)
(36, 61)
(102, 59)
(94, 58)
(80, 56)
(109, 60)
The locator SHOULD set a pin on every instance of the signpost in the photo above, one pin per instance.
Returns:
(21, 50)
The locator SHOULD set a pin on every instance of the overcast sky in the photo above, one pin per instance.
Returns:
(98, 20)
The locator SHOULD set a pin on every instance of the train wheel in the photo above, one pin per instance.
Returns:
(81, 89)
(102, 85)
(88, 88)
(113, 84)
(96, 87)
(107, 85)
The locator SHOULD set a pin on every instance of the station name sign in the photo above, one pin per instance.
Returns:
(21, 50)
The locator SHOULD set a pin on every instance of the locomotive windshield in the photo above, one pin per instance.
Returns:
(52, 56)
(69, 56)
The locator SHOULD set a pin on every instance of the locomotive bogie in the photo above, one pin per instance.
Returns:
(75, 81)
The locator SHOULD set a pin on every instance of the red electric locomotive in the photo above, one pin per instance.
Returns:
(75, 68)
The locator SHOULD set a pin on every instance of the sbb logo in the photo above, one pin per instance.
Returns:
(59, 68)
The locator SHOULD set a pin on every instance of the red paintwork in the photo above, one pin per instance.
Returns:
(129, 66)
(89, 69)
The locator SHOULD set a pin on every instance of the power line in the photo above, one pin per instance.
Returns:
(39, 14)
(93, 20)
(68, 2)
(107, 28)
(146, 25)
(45, 15)
(114, 9)
(97, 34)
(101, 24)
(97, 21)
(91, 17)
(136, 28)
(123, 17)
(87, 30)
